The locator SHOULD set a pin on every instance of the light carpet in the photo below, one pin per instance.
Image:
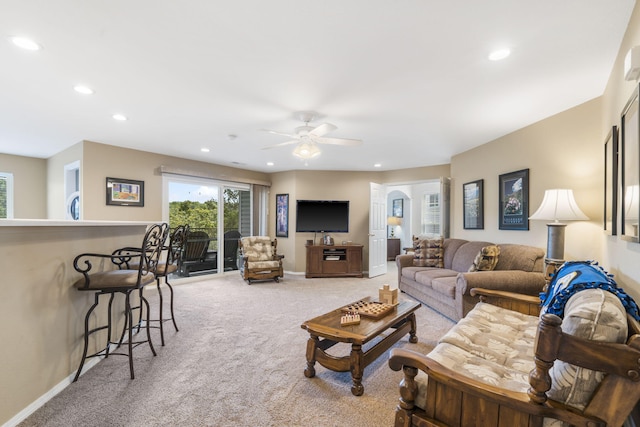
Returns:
(238, 360)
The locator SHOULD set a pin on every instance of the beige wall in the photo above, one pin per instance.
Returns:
(29, 185)
(101, 161)
(56, 198)
(563, 151)
(404, 176)
(42, 314)
(621, 257)
(335, 185)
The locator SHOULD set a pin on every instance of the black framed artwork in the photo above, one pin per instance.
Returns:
(630, 169)
(611, 182)
(514, 200)
(473, 205)
(125, 192)
(397, 207)
(282, 215)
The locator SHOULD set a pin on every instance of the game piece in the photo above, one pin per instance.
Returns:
(371, 309)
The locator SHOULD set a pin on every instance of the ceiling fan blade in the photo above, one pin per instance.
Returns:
(323, 129)
(281, 144)
(275, 132)
(338, 141)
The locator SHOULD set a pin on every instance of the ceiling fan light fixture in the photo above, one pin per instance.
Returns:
(306, 151)
(25, 43)
(85, 90)
(499, 54)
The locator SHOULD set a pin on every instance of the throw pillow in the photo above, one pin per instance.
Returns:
(592, 314)
(486, 260)
(428, 252)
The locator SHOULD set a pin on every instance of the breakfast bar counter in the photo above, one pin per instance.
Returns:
(41, 314)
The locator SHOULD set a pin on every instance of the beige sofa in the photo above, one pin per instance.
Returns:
(446, 290)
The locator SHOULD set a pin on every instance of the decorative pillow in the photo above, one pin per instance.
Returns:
(428, 252)
(592, 314)
(486, 260)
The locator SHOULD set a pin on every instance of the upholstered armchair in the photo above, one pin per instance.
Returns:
(259, 260)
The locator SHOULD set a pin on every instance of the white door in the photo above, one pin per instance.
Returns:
(377, 230)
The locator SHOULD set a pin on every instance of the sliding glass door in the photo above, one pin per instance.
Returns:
(237, 223)
(217, 214)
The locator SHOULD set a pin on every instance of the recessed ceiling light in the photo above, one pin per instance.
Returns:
(83, 90)
(25, 43)
(120, 117)
(499, 54)
(205, 150)
(270, 163)
(377, 165)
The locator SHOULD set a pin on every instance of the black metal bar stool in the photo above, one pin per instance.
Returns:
(122, 280)
(177, 240)
(166, 266)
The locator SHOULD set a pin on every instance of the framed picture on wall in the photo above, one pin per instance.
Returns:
(514, 200)
(397, 208)
(611, 182)
(473, 205)
(282, 215)
(125, 192)
(630, 170)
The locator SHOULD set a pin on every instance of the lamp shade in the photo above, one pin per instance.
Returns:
(559, 205)
(631, 196)
(394, 220)
(306, 150)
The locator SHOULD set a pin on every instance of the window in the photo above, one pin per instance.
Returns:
(6, 195)
(431, 220)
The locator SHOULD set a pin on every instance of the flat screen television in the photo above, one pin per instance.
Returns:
(322, 215)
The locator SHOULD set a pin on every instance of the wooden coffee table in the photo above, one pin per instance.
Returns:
(327, 326)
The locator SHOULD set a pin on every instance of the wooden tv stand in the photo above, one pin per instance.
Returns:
(334, 261)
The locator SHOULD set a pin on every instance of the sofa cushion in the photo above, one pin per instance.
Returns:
(262, 264)
(410, 272)
(486, 259)
(520, 257)
(450, 248)
(445, 285)
(492, 345)
(426, 276)
(465, 255)
(592, 314)
(428, 253)
(257, 248)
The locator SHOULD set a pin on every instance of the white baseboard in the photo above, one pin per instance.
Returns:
(38, 403)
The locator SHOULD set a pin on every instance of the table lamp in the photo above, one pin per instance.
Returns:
(393, 221)
(631, 209)
(557, 205)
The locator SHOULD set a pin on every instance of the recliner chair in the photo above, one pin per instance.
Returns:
(259, 260)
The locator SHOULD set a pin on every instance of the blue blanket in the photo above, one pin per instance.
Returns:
(574, 276)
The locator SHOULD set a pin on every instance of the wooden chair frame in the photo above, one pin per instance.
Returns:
(456, 400)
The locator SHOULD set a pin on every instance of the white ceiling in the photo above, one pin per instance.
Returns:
(410, 78)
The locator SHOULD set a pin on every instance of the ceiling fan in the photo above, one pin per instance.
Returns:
(307, 137)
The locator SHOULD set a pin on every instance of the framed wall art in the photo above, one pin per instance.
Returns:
(514, 200)
(473, 205)
(282, 215)
(125, 192)
(397, 208)
(630, 170)
(611, 182)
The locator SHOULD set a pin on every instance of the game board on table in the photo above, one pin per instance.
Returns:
(372, 309)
